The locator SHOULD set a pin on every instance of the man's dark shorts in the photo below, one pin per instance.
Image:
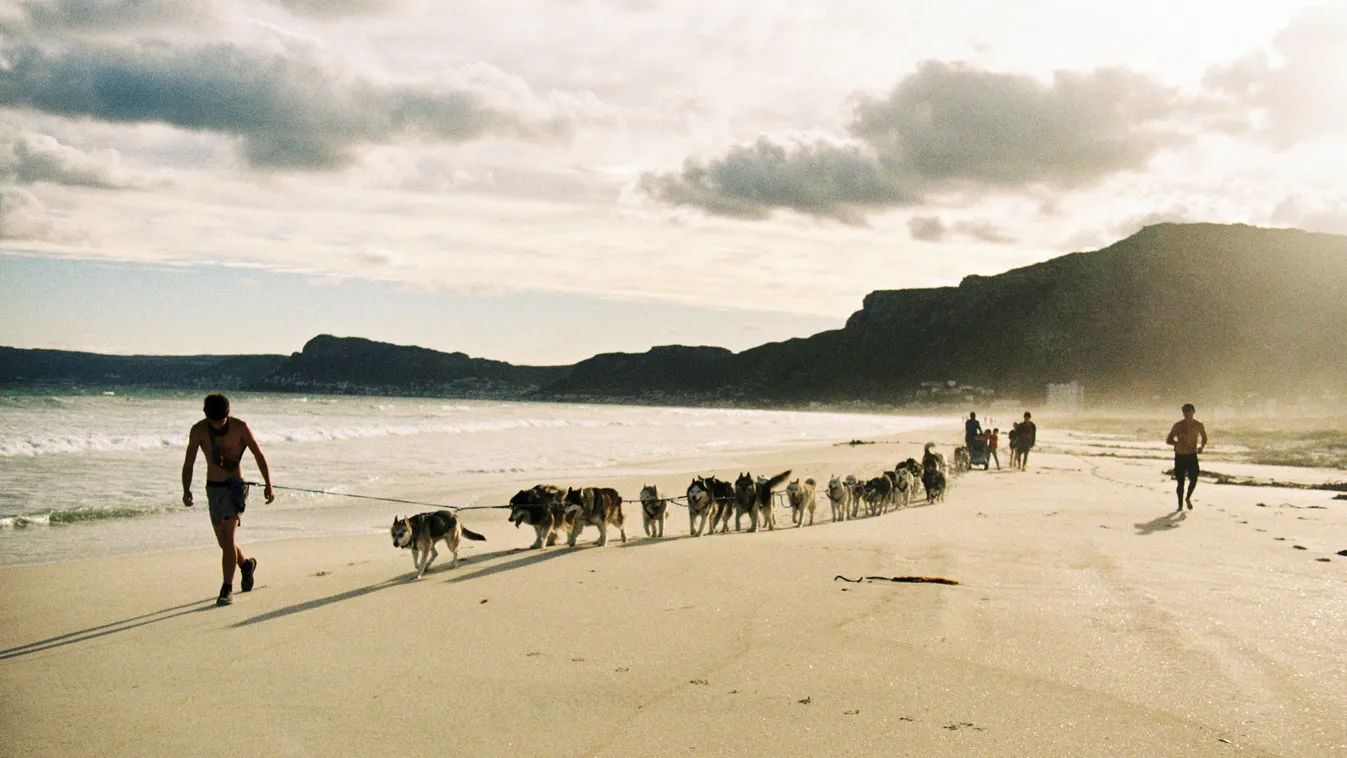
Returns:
(224, 501)
(1185, 465)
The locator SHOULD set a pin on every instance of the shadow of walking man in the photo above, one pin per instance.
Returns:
(1170, 520)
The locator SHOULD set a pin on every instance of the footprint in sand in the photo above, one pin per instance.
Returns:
(1279, 539)
(1342, 552)
(1323, 560)
(1299, 547)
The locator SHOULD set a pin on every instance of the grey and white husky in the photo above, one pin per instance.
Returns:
(654, 509)
(422, 531)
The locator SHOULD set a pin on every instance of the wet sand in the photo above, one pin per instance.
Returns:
(1090, 620)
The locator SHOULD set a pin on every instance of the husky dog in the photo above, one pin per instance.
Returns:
(934, 481)
(962, 460)
(754, 497)
(723, 494)
(713, 501)
(932, 459)
(654, 508)
(422, 531)
(878, 493)
(856, 489)
(595, 506)
(801, 497)
(541, 508)
(902, 487)
(700, 503)
(839, 495)
(914, 469)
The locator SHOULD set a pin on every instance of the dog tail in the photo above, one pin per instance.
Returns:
(776, 481)
(470, 534)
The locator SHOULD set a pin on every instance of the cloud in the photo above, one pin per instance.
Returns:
(336, 8)
(927, 229)
(107, 15)
(289, 112)
(934, 229)
(1299, 92)
(818, 178)
(946, 127)
(32, 158)
(24, 217)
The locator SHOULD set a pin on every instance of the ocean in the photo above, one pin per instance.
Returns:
(85, 474)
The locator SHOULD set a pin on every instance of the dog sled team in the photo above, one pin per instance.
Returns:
(712, 503)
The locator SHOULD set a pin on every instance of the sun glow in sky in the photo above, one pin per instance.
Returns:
(538, 182)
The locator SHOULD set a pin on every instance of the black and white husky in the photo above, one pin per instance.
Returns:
(422, 531)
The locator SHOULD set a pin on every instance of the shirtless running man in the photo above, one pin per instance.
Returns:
(224, 439)
(1189, 438)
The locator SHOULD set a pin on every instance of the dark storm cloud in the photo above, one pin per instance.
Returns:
(945, 127)
(289, 113)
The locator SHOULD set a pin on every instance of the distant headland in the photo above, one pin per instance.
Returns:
(1192, 310)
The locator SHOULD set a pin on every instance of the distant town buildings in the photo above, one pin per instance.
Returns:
(1068, 397)
(950, 389)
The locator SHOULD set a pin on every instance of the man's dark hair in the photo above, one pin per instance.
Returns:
(972, 415)
(1188, 408)
(216, 407)
(1026, 414)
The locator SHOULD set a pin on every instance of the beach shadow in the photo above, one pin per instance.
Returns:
(1170, 520)
(103, 630)
(528, 559)
(309, 605)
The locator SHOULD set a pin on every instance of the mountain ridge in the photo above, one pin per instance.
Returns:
(1199, 310)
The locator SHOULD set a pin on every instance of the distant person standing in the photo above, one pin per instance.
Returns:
(224, 439)
(1014, 438)
(1189, 438)
(1024, 441)
(992, 442)
(971, 429)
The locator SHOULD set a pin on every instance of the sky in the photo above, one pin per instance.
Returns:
(539, 182)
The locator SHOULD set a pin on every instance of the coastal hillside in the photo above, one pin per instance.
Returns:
(1199, 310)
(350, 365)
(1203, 311)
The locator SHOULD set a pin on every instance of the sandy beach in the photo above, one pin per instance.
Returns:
(1090, 620)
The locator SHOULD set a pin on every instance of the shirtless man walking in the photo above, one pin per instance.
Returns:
(224, 439)
(1189, 438)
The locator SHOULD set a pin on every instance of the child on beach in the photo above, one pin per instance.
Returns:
(991, 447)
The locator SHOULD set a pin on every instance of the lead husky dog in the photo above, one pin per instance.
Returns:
(839, 495)
(422, 531)
(801, 497)
(654, 508)
(596, 506)
(541, 508)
